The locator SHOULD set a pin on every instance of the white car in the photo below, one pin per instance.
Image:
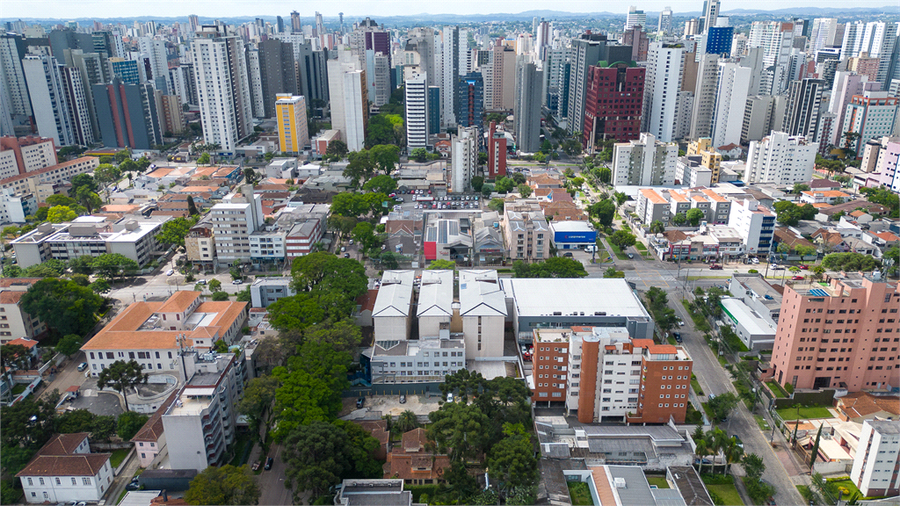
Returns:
(170, 272)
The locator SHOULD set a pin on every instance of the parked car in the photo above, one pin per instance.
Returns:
(346, 255)
(737, 441)
(82, 366)
(568, 254)
(201, 282)
(269, 462)
(804, 267)
(796, 278)
(237, 282)
(677, 336)
(631, 255)
(170, 272)
(777, 267)
(402, 399)
(450, 397)
(715, 267)
(360, 402)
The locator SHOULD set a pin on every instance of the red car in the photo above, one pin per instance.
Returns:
(715, 267)
(796, 278)
(804, 267)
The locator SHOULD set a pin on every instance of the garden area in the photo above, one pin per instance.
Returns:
(580, 493)
(722, 490)
(804, 413)
(776, 389)
(118, 456)
(696, 385)
(618, 252)
(659, 481)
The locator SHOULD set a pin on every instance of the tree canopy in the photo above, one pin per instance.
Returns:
(121, 376)
(223, 485)
(554, 267)
(63, 305)
(174, 231)
(790, 214)
(850, 262)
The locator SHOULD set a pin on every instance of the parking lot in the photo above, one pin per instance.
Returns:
(390, 405)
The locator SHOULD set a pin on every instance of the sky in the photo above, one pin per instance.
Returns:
(72, 9)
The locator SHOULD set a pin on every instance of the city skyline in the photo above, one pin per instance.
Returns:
(354, 8)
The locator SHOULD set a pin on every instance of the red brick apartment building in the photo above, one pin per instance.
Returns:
(841, 334)
(605, 375)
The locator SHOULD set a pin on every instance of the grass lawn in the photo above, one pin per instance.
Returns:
(659, 481)
(117, 457)
(580, 494)
(18, 389)
(763, 424)
(727, 493)
(696, 385)
(805, 413)
(707, 410)
(640, 247)
(776, 389)
(852, 491)
(618, 252)
(692, 416)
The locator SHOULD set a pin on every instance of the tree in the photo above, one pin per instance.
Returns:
(477, 183)
(694, 216)
(524, 190)
(106, 173)
(192, 207)
(504, 184)
(204, 159)
(311, 388)
(69, 345)
(82, 180)
(120, 376)
(603, 211)
(849, 262)
(381, 184)
(258, 396)
(815, 449)
(223, 485)
(462, 483)
(753, 466)
(554, 267)
(29, 423)
(364, 234)
(511, 462)
(60, 214)
(800, 187)
(14, 356)
(657, 227)
(722, 405)
(805, 251)
(496, 205)
(174, 231)
(219, 296)
(104, 427)
(407, 421)
(82, 265)
(130, 423)
(122, 155)
(442, 264)
(623, 239)
(386, 157)
(604, 174)
(419, 154)
(459, 430)
(111, 265)
(90, 200)
(486, 190)
(337, 148)
(317, 456)
(250, 176)
(214, 285)
(62, 305)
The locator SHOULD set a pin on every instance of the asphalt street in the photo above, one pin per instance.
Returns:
(271, 482)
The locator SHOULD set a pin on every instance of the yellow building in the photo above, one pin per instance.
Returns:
(290, 112)
(712, 159)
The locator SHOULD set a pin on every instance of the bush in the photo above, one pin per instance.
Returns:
(9, 493)
(219, 296)
(753, 271)
(789, 388)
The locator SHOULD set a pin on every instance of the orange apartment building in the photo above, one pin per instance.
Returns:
(606, 376)
(841, 334)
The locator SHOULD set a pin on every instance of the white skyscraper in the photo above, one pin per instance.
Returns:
(464, 159)
(661, 87)
(45, 87)
(223, 88)
(349, 99)
(451, 47)
(78, 104)
(417, 112)
(254, 78)
(822, 34)
(12, 77)
(155, 52)
(776, 40)
(635, 18)
(731, 100)
(647, 162)
(780, 159)
(876, 38)
(664, 27)
(704, 99)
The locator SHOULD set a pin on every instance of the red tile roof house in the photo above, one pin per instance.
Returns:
(65, 470)
(414, 461)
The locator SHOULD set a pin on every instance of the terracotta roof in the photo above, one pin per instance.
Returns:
(63, 444)
(886, 236)
(829, 237)
(366, 301)
(677, 196)
(858, 214)
(10, 296)
(8, 282)
(785, 236)
(153, 429)
(667, 349)
(21, 341)
(728, 147)
(88, 464)
(652, 196)
(827, 193)
(179, 302)
(860, 404)
(414, 440)
(713, 195)
(675, 235)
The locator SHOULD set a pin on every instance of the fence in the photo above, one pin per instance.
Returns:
(429, 389)
(822, 398)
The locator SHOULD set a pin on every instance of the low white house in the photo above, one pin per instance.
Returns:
(65, 470)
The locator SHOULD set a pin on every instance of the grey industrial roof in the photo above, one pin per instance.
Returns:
(436, 293)
(667, 497)
(636, 491)
(545, 296)
(690, 486)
